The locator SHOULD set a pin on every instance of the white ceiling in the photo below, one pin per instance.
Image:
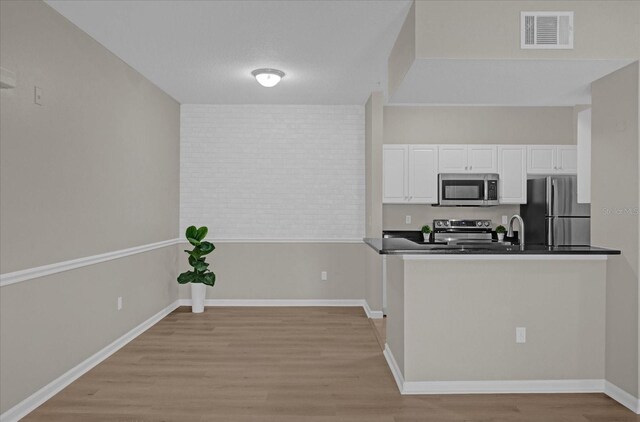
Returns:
(333, 52)
(502, 82)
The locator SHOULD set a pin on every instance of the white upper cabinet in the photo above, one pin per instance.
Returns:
(512, 167)
(423, 174)
(541, 159)
(467, 159)
(410, 174)
(394, 173)
(482, 158)
(452, 158)
(567, 159)
(552, 159)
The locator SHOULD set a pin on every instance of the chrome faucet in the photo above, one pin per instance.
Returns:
(520, 232)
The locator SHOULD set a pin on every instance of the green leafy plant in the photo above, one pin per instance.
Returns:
(426, 229)
(201, 248)
(501, 229)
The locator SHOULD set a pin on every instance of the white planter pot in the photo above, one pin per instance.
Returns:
(426, 236)
(198, 293)
(500, 237)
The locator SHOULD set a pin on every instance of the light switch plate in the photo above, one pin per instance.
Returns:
(505, 219)
(521, 335)
(407, 219)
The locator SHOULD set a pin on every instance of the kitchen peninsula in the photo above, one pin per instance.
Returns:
(477, 319)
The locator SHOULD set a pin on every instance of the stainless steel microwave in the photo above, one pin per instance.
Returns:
(468, 190)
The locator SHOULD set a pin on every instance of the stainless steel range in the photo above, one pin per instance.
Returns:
(462, 231)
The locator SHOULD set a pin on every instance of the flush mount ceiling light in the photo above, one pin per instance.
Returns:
(268, 77)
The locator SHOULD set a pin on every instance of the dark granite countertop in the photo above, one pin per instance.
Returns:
(404, 246)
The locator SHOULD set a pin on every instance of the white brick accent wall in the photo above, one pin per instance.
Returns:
(273, 171)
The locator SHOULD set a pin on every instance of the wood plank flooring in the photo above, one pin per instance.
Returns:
(285, 365)
(380, 330)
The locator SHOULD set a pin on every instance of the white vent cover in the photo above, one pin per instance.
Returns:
(546, 30)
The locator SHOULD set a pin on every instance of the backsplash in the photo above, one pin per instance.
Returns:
(393, 216)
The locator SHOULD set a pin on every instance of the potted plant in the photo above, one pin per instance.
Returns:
(200, 277)
(500, 231)
(426, 233)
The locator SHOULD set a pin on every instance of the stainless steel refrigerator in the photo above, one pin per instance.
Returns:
(553, 216)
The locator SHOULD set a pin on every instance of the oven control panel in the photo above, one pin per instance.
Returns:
(463, 225)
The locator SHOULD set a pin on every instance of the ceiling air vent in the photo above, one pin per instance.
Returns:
(546, 30)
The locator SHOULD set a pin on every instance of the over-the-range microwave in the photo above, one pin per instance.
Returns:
(468, 190)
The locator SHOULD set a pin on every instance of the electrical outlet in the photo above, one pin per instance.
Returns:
(521, 335)
(323, 276)
(37, 95)
(119, 302)
(407, 219)
(505, 219)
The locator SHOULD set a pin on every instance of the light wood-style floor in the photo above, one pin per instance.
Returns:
(285, 365)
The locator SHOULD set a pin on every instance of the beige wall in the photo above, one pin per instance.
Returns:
(462, 328)
(95, 168)
(491, 29)
(395, 309)
(92, 170)
(283, 270)
(373, 195)
(49, 325)
(403, 53)
(373, 164)
(478, 125)
(373, 273)
(615, 200)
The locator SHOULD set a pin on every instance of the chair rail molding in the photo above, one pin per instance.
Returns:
(58, 267)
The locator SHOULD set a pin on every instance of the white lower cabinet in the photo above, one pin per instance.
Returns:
(410, 174)
(512, 168)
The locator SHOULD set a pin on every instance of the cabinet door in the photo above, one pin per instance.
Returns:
(541, 159)
(482, 159)
(394, 173)
(423, 174)
(452, 159)
(512, 167)
(566, 159)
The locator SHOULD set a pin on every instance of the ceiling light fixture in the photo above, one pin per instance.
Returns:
(268, 77)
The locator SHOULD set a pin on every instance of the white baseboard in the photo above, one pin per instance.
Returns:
(618, 394)
(289, 302)
(504, 387)
(395, 369)
(276, 302)
(370, 313)
(508, 387)
(29, 404)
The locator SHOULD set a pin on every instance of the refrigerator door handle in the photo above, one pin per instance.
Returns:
(550, 239)
(549, 193)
